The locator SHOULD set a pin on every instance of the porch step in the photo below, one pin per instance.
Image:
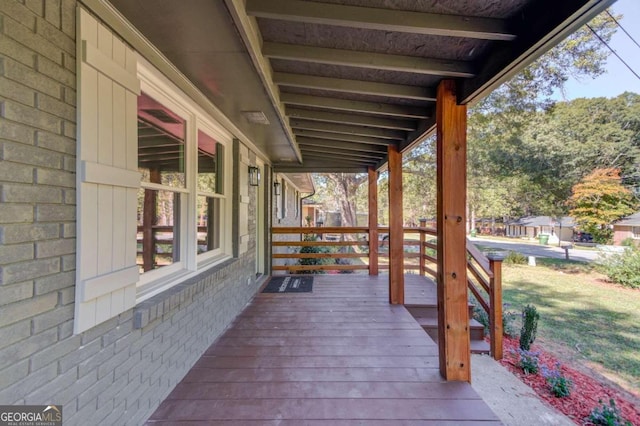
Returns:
(427, 317)
(431, 324)
(429, 311)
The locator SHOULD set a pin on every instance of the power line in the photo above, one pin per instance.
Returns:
(614, 52)
(622, 28)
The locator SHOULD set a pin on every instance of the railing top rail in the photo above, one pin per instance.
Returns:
(479, 257)
(319, 229)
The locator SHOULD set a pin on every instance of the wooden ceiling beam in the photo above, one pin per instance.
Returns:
(340, 153)
(354, 86)
(332, 157)
(381, 19)
(369, 60)
(355, 106)
(345, 137)
(358, 120)
(350, 146)
(347, 129)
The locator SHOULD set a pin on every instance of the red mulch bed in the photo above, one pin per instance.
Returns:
(585, 393)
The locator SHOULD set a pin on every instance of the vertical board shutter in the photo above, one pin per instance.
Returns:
(107, 174)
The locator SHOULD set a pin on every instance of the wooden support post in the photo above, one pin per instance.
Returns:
(396, 231)
(423, 240)
(453, 317)
(495, 302)
(373, 221)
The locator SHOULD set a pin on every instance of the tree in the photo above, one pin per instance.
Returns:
(340, 190)
(598, 200)
(509, 145)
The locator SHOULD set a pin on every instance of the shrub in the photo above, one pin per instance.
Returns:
(608, 415)
(529, 329)
(624, 268)
(314, 261)
(515, 258)
(559, 385)
(528, 361)
(508, 322)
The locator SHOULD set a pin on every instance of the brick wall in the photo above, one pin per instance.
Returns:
(119, 371)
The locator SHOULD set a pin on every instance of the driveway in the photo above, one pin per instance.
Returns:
(534, 249)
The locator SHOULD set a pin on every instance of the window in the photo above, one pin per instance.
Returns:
(210, 193)
(161, 162)
(184, 212)
(635, 230)
(153, 207)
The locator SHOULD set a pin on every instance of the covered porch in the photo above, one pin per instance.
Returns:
(339, 354)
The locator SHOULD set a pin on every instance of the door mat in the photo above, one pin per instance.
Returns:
(289, 285)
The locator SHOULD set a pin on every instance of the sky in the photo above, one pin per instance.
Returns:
(618, 78)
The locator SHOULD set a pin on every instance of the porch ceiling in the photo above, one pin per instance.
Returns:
(340, 80)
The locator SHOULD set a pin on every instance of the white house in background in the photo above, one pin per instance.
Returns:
(627, 227)
(533, 226)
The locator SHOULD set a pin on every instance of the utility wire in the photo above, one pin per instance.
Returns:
(622, 28)
(614, 52)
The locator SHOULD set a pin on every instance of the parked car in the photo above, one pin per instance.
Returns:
(582, 237)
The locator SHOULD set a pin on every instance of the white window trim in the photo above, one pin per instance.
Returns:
(635, 235)
(151, 283)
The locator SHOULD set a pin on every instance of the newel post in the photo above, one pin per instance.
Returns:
(495, 303)
(423, 240)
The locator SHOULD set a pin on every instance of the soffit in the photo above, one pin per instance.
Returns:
(340, 80)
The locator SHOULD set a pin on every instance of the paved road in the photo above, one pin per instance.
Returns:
(532, 249)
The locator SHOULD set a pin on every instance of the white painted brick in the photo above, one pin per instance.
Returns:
(13, 373)
(15, 172)
(15, 253)
(21, 233)
(52, 318)
(14, 333)
(15, 292)
(52, 353)
(22, 388)
(19, 153)
(60, 178)
(26, 348)
(24, 271)
(52, 248)
(54, 283)
(55, 213)
(53, 142)
(15, 132)
(15, 213)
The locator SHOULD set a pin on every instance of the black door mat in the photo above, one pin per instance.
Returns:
(289, 285)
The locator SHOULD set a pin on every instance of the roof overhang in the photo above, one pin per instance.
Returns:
(341, 80)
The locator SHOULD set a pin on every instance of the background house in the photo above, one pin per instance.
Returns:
(625, 228)
(532, 226)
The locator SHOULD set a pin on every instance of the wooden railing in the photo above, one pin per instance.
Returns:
(350, 249)
(484, 278)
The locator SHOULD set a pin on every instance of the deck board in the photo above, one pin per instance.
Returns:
(339, 355)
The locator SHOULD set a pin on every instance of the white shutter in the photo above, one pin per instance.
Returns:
(107, 174)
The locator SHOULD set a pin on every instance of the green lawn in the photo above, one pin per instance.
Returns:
(582, 318)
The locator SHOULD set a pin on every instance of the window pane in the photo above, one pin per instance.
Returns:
(158, 232)
(161, 135)
(208, 224)
(210, 161)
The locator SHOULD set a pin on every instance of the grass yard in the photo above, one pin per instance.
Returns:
(583, 319)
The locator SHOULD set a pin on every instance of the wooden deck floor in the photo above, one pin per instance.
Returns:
(340, 355)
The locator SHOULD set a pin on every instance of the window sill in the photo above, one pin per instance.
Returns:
(178, 294)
